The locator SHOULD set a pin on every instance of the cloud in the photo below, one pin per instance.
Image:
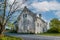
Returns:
(46, 6)
(11, 1)
(58, 14)
(19, 4)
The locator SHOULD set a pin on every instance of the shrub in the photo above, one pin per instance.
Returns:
(13, 31)
(54, 30)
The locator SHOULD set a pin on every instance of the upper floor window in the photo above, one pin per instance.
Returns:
(40, 25)
(37, 24)
(24, 15)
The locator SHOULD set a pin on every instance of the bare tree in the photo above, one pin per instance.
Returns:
(14, 7)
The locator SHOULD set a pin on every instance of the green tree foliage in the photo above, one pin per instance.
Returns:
(54, 26)
(9, 24)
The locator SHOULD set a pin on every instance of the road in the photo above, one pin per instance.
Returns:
(34, 37)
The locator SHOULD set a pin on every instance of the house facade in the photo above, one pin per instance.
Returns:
(29, 22)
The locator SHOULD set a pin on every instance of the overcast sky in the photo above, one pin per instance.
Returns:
(48, 8)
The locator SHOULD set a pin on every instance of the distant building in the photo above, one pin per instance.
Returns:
(29, 22)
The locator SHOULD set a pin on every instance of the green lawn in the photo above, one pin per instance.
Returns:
(50, 34)
(10, 38)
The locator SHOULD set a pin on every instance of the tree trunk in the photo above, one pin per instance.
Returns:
(1, 29)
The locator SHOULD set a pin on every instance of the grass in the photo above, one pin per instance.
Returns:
(50, 34)
(10, 38)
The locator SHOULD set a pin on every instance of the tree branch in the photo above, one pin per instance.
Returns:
(4, 12)
(11, 7)
(10, 14)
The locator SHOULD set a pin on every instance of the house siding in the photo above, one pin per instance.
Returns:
(30, 23)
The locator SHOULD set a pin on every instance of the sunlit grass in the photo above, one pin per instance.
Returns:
(50, 34)
(10, 38)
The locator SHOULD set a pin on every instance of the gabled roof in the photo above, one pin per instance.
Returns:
(30, 13)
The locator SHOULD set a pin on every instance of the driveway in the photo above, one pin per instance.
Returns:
(33, 36)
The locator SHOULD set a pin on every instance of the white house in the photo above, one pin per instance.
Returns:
(29, 22)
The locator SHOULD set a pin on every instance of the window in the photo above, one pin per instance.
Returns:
(43, 30)
(24, 15)
(38, 24)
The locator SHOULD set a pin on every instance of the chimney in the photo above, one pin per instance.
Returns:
(40, 15)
